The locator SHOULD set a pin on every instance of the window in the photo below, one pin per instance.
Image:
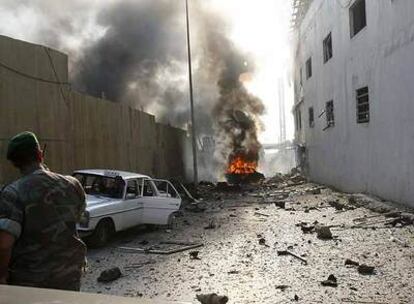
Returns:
(301, 77)
(298, 120)
(132, 190)
(330, 118)
(311, 117)
(309, 68)
(357, 17)
(362, 96)
(165, 188)
(148, 188)
(98, 185)
(327, 48)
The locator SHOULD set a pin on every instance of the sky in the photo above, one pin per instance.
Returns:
(259, 27)
(266, 35)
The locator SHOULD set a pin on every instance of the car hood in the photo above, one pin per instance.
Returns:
(94, 200)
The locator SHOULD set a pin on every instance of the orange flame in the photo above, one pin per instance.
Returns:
(241, 166)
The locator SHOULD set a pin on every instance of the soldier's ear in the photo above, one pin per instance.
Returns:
(39, 156)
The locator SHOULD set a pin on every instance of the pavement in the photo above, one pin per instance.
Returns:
(248, 238)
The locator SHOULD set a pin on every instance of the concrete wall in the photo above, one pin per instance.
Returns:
(80, 131)
(376, 157)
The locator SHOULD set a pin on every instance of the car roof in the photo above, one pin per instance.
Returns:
(111, 173)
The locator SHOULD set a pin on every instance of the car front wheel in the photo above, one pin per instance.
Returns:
(103, 233)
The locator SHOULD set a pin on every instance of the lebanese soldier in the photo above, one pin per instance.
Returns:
(39, 245)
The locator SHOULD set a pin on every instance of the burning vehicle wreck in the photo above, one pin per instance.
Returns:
(244, 157)
(117, 200)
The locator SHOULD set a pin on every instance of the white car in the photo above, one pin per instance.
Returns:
(118, 200)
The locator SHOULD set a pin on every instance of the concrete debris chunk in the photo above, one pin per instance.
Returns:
(366, 270)
(109, 275)
(351, 263)
(306, 227)
(296, 298)
(211, 225)
(330, 282)
(280, 204)
(337, 205)
(282, 287)
(323, 232)
(194, 255)
(403, 220)
(212, 298)
(314, 191)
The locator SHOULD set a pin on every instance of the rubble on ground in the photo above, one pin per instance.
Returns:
(323, 232)
(109, 275)
(331, 281)
(279, 240)
(212, 299)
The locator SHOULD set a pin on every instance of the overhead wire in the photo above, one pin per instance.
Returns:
(3, 65)
(56, 75)
(40, 79)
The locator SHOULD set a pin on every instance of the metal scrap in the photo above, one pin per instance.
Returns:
(151, 250)
(287, 252)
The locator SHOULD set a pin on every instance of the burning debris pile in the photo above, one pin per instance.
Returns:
(237, 127)
(244, 156)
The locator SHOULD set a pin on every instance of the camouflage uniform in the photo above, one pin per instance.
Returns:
(41, 210)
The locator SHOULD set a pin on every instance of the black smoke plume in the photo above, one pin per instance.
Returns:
(141, 59)
(236, 113)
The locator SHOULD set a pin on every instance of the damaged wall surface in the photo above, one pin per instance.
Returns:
(374, 157)
(79, 131)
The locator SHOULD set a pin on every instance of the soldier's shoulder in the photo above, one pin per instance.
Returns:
(10, 188)
(9, 193)
(13, 187)
(69, 180)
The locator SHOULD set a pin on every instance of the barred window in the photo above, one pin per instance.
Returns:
(362, 97)
(330, 117)
(311, 117)
(298, 120)
(309, 68)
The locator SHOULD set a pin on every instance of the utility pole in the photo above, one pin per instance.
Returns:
(190, 77)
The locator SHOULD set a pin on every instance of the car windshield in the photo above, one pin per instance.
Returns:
(98, 185)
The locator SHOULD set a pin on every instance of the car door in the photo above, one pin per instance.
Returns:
(132, 204)
(160, 200)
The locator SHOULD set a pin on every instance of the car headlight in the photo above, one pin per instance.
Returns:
(84, 220)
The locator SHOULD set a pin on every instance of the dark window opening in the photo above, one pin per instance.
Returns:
(311, 117)
(298, 120)
(309, 68)
(327, 48)
(301, 77)
(330, 118)
(362, 96)
(358, 18)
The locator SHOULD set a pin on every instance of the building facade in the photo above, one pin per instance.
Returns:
(354, 96)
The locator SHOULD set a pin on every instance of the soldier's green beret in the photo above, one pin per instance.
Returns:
(22, 143)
